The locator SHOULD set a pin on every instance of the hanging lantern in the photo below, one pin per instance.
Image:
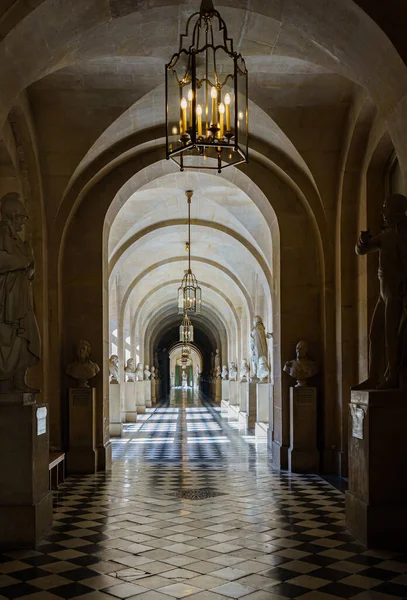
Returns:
(206, 96)
(189, 292)
(186, 330)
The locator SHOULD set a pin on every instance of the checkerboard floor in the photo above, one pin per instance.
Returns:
(193, 509)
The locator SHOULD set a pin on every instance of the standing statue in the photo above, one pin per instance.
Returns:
(130, 369)
(244, 371)
(263, 370)
(388, 329)
(301, 368)
(147, 373)
(82, 368)
(232, 371)
(216, 362)
(20, 345)
(114, 368)
(140, 372)
(225, 373)
(258, 348)
(153, 373)
(197, 376)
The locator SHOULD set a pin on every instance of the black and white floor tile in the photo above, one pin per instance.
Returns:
(192, 509)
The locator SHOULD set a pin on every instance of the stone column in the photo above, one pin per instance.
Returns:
(252, 405)
(115, 413)
(377, 496)
(130, 401)
(82, 455)
(303, 455)
(218, 390)
(25, 500)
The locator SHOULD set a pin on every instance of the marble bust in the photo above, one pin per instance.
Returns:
(114, 368)
(130, 369)
(301, 368)
(140, 372)
(82, 368)
(225, 373)
(147, 373)
(244, 370)
(232, 371)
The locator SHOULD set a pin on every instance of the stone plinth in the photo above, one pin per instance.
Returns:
(82, 455)
(377, 497)
(147, 393)
(218, 390)
(115, 415)
(233, 393)
(153, 392)
(140, 397)
(25, 500)
(263, 401)
(244, 396)
(252, 405)
(225, 389)
(303, 455)
(130, 401)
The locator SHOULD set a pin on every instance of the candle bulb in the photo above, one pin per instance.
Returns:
(221, 119)
(199, 114)
(190, 96)
(184, 115)
(214, 96)
(227, 108)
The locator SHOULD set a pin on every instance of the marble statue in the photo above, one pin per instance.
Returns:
(218, 372)
(130, 369)
(153, 373)
(244, 370)
(82, 368)
(20, 345)
(147, 373)
(225, 372)
(216, 362)
(197, 376)
(388, 328)
(140, 372)
(258, 346)
(114, 368)
(232, 371)
(263, 370)
(301, 368)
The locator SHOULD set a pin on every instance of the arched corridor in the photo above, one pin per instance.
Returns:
(202, 347)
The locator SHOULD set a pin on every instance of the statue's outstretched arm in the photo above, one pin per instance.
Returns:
(367, 243)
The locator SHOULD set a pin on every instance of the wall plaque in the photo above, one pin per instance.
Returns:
(41, 420)
(304, 396)
(358, 416)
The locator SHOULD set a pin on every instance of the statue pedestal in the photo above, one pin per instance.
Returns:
(140, 401)
(263, 393)
(147, 393)
(153, 392)
(233, 393)
(244, 396)
(377, 496)
(115, 420)
(252, 405)
(130, 401)
(82, 456)
(218, 390)
(303, 455)
(225, 390)
(25, 500)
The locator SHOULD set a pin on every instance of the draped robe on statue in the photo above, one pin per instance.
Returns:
(20, 345)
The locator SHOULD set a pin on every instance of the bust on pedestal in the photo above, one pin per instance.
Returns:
(25, 500)
(81, 456)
